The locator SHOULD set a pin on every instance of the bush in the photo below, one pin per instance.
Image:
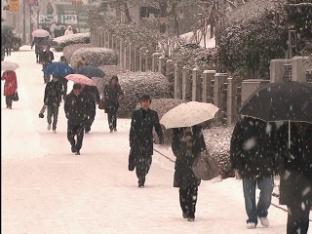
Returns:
(95, 56)
(60, 42)
(218, 141)
(135, 84)
(70, 49)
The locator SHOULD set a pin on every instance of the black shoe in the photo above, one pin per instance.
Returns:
(77, 153)
(111, 130)
(141, 183)
(185, 216)
(73, 149)
(190, 219)
(115, 129)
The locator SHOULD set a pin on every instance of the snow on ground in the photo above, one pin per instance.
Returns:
(210, 42)
(48, 190)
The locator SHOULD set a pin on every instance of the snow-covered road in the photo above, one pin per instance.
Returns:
(47, 190)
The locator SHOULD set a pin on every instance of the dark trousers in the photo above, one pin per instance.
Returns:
(46, 78)
(64, 84)
(88, 124)
(9, 100)
(112, 120)
(254, 210)
(298, 218)
(188, 199)
(52, 113)
(143, 165)
(75, 130)
(8, 51)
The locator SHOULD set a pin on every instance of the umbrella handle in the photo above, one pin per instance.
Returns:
(289, 135)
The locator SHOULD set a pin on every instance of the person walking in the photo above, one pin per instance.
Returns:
(10, 87)
(296, 174)
(75, 111)
(69, 30)
(52, 99)
(112, 95)
(63, 80)
(92, 97)
(38, 48)
(252, 158)
(47, 57)
(187, 145)
(141, 137)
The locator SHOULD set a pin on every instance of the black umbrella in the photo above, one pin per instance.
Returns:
(91, 71)
(282, 101)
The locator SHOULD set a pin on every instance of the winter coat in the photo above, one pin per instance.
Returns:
(186, 154)
(47, 57)
(91, 97)
(141, 131)
(251, 151)
(296, 164)
(53, 93)
(10, 85)
(75, 108)
(111, 97)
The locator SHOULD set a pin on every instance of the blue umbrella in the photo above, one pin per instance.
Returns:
(58, 69)
(91, 71)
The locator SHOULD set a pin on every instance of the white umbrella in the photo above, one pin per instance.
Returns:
(81, 79)
(189, 114)
(9, 66)
(40, 33)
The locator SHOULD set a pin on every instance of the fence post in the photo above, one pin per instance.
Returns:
(195, 84)
(177, 82)
(130, 61)
(162, 65)
(140, 59)
(135, 58)
(219, 80)
(231, 100)
(121, 52)
(125, 56)
(146, 56)
(207, 91)
(155, 61)
(186, 84)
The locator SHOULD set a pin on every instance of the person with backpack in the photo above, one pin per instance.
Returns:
(47, 57)
(52, 99)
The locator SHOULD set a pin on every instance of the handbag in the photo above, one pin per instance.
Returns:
(102, 104)
(132, 158)
(15, 97)
(205, 167)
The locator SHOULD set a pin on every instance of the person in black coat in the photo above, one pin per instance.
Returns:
(112, 95)
(52, 99)
(253, 159)
(47, 57)
(92, 97)
(141, 137)
(187, 145)
(75, 111)
(296, 174)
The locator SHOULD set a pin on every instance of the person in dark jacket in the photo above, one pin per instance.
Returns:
(253, 159)
(75, 111)
(141, 137)
(187, 145)
(52, 99)
(296, 174)
(92, 97)
(112, 95)
(47, 57)
(39, 43)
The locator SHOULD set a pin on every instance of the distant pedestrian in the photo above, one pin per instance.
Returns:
(52, 99)
(187, 145)
(38, 48)
(47, 57)
(92, 98)
(296, 174)
(10, 87)
(69, 30)
(141, 137)
(63, 80)
(112, 95)
(75, 111)
(252, 157)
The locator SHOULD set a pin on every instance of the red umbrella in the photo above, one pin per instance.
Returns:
(40, 33)
(81, 79)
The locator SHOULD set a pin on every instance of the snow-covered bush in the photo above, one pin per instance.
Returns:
(70, 49)
(135, 84)
(60, 42)
(95, 56)
(218, 140)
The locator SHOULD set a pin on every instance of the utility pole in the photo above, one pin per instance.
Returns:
(24, 22)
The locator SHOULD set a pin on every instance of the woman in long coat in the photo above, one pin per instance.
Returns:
(296, 174)
(10, 87)
(187, 145)
(112, 95)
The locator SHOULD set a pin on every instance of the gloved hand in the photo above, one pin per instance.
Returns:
(41, 115)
